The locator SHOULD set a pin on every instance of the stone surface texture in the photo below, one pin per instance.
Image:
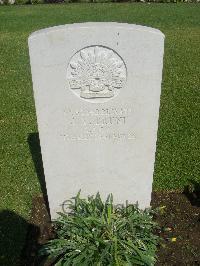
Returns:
(97, 92)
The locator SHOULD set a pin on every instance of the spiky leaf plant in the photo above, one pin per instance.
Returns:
(98, 233)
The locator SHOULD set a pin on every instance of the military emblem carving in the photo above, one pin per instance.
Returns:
(96, 72)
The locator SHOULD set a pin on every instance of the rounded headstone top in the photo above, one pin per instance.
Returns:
(96, 25)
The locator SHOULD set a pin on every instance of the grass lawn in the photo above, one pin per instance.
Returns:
(178, 146)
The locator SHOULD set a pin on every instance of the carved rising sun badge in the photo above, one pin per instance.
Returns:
(96, 72)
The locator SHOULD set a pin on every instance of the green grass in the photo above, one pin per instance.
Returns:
(179, 125)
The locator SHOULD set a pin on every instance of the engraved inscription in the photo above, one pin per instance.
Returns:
(97, 124)
(96, 73)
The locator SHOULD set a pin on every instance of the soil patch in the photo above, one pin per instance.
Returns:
(180, 224)
(179, 221)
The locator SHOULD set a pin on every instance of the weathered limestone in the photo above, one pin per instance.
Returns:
(97, 92)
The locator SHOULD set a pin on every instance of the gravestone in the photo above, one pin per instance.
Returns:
(97, 92)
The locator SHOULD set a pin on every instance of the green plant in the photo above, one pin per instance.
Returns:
(33, 2)
(22, 2)
(96, 233)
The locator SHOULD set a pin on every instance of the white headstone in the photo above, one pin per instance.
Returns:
(97, 92)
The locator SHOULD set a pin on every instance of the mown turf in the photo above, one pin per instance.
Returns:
(178, 151)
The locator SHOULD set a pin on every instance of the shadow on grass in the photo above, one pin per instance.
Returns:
(13, 230)
(34, 146)
(192, 192)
